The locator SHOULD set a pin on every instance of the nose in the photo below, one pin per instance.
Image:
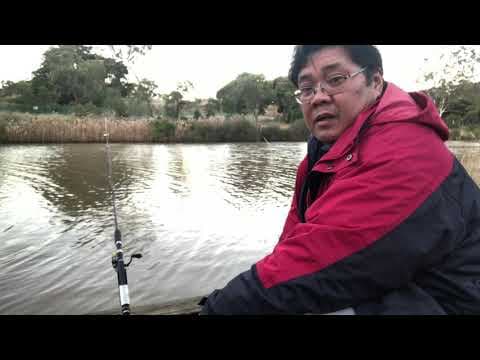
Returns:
(320, 96)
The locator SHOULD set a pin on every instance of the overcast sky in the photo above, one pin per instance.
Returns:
(210, 67)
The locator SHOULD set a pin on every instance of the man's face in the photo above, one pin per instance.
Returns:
(327, 117)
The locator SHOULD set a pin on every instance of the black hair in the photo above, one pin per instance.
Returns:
(363, 55)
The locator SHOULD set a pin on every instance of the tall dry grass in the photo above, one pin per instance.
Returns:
(28, 128)
(471, 163)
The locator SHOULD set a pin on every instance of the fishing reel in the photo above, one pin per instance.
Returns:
(115, 261)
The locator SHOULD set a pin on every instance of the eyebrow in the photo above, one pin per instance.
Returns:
(324, 69)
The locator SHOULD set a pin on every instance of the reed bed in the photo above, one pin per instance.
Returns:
(471, 163)
(57, 128)
(28, 128)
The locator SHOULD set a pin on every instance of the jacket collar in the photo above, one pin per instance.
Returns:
(347, 139)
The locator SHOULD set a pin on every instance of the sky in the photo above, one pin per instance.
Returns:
(210, 67)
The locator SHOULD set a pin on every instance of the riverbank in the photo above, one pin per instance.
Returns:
(26, 128)
(21, 128)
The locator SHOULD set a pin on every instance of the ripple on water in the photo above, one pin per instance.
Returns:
(200, 214)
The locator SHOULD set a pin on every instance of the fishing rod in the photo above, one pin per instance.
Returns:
(117, 257)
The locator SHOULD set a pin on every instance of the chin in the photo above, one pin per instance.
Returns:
(325, 138)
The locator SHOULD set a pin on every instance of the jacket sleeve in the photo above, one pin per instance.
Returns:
(365, 236)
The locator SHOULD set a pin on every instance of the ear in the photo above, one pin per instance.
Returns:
(377, 82)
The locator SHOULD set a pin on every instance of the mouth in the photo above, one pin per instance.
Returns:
(323, 117)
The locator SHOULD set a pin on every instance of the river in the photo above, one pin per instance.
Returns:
(199, 215)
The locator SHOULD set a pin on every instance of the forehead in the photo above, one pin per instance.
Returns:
(328, 59)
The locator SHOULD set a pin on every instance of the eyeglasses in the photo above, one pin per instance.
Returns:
(333, 85)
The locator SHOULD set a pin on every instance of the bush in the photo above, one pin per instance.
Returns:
(465, 133)
(163, 130)
(472, 118)
(114, 102)
(136, 107)
(298, 131)
(238, 129)
(280, 118)
(82, 110)
(7, 106)
(275, 133)
(3, 131)
(200, 132)
(10, 118)
(197, 115)
(170, 111)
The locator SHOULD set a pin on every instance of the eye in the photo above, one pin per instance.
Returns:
(336, 80)
(306, 90)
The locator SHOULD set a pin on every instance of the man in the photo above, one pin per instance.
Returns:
(384, 219)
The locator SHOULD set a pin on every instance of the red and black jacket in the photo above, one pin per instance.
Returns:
(387, 221)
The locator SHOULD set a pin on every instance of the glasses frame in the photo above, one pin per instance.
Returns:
(326, 89)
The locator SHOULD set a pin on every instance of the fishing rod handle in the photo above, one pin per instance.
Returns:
(126, 309)
(122, 284)
(122, 274)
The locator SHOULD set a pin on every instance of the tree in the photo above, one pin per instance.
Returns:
(459, 68)
(197, 114)
(248, 93)
(17, 96)
(71, 74)
(212, 107)
(91, 82)
(184, 87)
(283, 90)
(15, 90)
(117, 76)
(140, 99)
(73, 77)
(174, 101)
(8, 88)
(128, 53)
(56, 81)
(145, 90)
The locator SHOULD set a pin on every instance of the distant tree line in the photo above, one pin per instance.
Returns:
(72, 79)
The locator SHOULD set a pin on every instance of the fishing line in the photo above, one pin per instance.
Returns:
(117, 258)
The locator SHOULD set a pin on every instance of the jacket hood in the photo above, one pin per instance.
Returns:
(397, 105)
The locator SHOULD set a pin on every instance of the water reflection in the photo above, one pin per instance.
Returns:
(77, 178)
(262, 174)
(176, 170)
(200, 214)
(247, 176)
